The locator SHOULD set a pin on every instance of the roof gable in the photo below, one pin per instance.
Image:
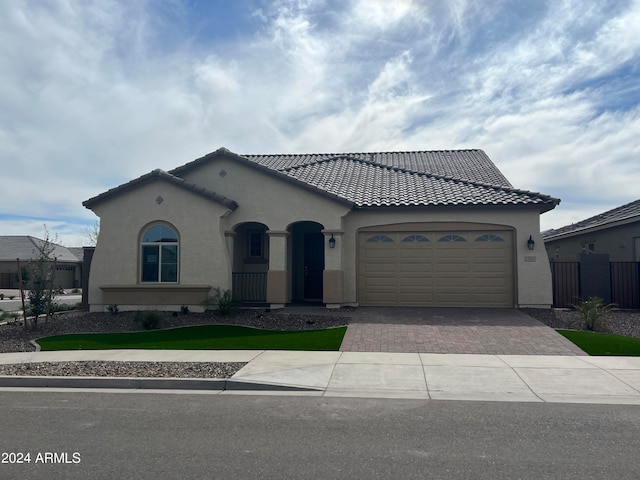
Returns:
(624, 214)
(166, 177)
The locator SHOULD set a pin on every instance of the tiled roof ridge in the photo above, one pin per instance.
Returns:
(435, 176)
(343, 154)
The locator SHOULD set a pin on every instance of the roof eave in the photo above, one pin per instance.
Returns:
(469, 206)
(593, 228)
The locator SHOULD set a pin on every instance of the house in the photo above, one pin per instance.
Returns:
(430, 228)
(615, 233)
(25, 248)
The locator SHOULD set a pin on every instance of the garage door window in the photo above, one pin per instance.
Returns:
(452, 238)
(415, 238)
(379, 238)
(489, 238)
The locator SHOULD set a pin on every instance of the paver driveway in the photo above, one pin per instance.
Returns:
(495, 331)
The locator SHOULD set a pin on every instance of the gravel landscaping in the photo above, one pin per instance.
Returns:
(14, 338)
(616, 322)
(124, 369)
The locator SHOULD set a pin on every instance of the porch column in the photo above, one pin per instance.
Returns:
(333, 275)
(230, 238)
(277, 274)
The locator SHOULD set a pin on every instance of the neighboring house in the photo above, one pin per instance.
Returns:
(615, 232)
(25, 248)
(440, 228)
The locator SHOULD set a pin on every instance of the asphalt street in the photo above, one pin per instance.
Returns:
(157, 436)
(9, 305)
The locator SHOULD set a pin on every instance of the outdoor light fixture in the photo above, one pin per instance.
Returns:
(332, 242)
(531, 243)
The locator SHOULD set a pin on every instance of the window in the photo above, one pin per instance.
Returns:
(452, 238)
(379, 238)
(489, 237)
(159, 251)
(256, 244)
(415, 238)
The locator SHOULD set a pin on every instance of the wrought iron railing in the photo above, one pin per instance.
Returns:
(250, 286)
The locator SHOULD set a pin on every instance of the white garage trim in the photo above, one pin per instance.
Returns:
(436, 268)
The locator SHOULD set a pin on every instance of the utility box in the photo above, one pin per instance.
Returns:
(595, 276)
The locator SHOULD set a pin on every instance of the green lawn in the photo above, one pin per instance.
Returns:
(208, 337)
(603, 344)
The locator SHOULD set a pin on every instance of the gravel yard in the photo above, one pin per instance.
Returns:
(617, 322)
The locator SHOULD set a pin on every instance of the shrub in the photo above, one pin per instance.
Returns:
(223, 300)
(592, 310)
(148, 320)
(184, 310)
(113, 309)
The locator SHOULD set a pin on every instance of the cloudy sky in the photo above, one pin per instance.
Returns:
(96, 93)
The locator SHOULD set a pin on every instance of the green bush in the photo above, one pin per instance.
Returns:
(592, 310)
(113, 309)
(223, 300)
(148, 320)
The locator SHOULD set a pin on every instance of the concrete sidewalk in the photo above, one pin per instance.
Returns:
(514, 378)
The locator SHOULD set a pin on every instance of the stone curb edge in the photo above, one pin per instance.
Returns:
(144, 383)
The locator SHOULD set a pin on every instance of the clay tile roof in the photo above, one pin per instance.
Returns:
(375, 179)
(627, 212)
(433, 178)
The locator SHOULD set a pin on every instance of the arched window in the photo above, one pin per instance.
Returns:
(159, 255)
(415, 238)
(452, 238)
(489, 237)
(379, 238)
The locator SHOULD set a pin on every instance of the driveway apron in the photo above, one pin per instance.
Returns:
(493, 331)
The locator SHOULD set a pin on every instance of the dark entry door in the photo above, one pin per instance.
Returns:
(313, 265)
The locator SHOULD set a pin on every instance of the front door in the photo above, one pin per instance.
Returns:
(313, 265)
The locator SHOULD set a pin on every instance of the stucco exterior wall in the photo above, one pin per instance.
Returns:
(264, 198)
(620, 243)
(203, 259)
(532, 267)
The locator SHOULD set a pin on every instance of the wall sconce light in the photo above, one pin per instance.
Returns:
(531, 243)
(332, 242)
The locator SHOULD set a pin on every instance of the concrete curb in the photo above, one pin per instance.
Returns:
(144, 384)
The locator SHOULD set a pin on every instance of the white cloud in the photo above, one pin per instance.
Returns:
(92, 96)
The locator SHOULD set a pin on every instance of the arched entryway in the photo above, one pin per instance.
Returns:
(250, 262)
(307, 261)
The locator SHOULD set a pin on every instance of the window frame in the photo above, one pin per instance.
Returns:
(161, 249)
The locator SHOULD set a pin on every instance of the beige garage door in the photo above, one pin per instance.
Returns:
(446, 268)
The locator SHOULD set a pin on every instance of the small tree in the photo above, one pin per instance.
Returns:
(91, 234)
(41, 272)
(223, 300)
(592, 310)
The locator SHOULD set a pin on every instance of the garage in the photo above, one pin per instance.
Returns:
(436, 268)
